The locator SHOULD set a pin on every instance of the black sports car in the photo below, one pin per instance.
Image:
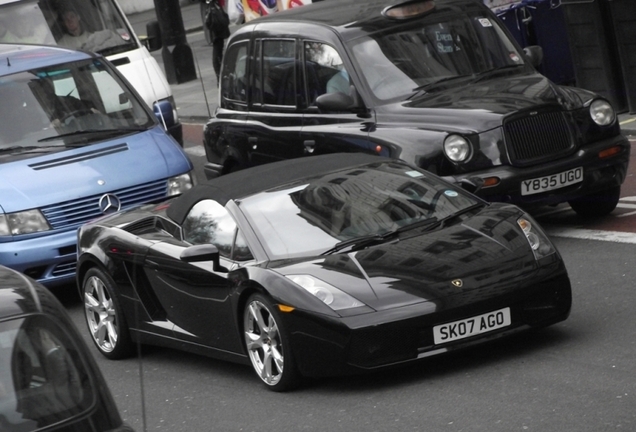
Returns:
(318, 266)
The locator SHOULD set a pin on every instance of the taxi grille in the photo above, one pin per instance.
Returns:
(73, 213)
(537, 138)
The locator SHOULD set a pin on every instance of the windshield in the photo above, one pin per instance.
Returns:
(65, 101)
(88, 24)
(309, 219)
(443, 46)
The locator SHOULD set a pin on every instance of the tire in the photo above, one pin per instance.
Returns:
(104, 315)
(267, 344)
(597, 204)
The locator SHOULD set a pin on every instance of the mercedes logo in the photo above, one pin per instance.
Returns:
(109, 203)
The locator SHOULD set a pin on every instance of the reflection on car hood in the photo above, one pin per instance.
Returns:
(481, 106)
(487, 251)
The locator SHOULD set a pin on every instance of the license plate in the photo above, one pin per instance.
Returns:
(551, 182)
(472, 326)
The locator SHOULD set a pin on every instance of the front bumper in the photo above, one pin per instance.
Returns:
(598, 175)
(49, 259)
(378, 340)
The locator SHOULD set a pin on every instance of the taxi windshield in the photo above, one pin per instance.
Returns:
(442, 47)
(42, 106)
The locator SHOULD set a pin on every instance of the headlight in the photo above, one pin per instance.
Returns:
(179, 184)
(25, 222)
(539, 243)
(602, 112)
(329, 294)
(457, 148)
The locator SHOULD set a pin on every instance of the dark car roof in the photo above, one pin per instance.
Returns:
(18, 58)
(260, 178)
(350, 16)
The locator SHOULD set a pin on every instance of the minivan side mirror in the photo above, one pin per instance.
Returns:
(153, 40)
(534, 54)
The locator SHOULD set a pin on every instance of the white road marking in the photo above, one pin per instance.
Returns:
(197, 151)
(586, 234)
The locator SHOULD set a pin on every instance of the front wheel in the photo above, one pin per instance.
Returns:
(104, 315)
(268, 344)
(597, 204)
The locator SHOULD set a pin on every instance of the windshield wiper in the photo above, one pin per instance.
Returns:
(361, 242)
(120, 131)
(21, 149)
(424, 87)
(444, 221)
(487, 73)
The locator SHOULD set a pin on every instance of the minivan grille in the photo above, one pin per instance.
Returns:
(74, 213)
(537, 138)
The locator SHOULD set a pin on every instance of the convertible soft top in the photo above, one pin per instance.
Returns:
(249, 181)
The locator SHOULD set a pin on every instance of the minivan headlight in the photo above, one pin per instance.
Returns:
(327, 293)
(539, 243)
(457, 148)
(25, 222)
(181, 183)
(602, 112)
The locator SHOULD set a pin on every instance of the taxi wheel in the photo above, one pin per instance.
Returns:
(597, 204)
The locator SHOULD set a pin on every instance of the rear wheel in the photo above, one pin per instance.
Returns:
(268, 344)
(104, 315)
(597, 204)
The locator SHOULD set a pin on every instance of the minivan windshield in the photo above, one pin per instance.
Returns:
(92, 25)
(72, 103)
(444, 47)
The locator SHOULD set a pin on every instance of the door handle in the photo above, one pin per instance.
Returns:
(310, 146)
(253, 141)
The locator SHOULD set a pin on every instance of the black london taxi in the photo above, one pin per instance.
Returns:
(437, 83)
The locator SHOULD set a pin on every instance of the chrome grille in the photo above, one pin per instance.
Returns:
(537, 138)
(74, 213)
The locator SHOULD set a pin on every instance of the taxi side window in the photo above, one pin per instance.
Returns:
(324, 71)
(234, 75)
(275, 73)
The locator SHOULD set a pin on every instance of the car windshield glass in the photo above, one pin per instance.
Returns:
(93, 26)
(400, 62)
(42, 375)
(41, 104)
(311, 218)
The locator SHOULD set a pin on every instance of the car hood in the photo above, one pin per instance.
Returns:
(485, 253)
(106, 166)
(481, 106)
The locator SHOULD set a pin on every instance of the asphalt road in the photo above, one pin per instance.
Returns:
(578, 375)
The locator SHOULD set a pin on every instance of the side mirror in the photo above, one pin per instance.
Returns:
(534, 54)
(203, 252)
(153, 40)
(336, 101)
(163, 112)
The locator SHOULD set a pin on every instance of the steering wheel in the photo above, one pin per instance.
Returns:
(73, 115)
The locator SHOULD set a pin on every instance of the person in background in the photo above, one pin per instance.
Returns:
(218, 22)
(74, 33)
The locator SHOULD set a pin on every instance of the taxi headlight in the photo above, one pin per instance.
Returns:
(602, 112)
(25, 222)
(328, 294)
(457, 148)
(181, 183)
(539, 242)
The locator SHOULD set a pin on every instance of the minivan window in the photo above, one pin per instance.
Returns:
(452, 46)
(42, 104)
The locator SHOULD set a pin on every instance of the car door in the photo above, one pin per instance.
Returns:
(329, 131)
(275, 118)
(195, 296)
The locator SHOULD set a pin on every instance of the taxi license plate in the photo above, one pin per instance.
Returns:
(456, 330)
(551, 182)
